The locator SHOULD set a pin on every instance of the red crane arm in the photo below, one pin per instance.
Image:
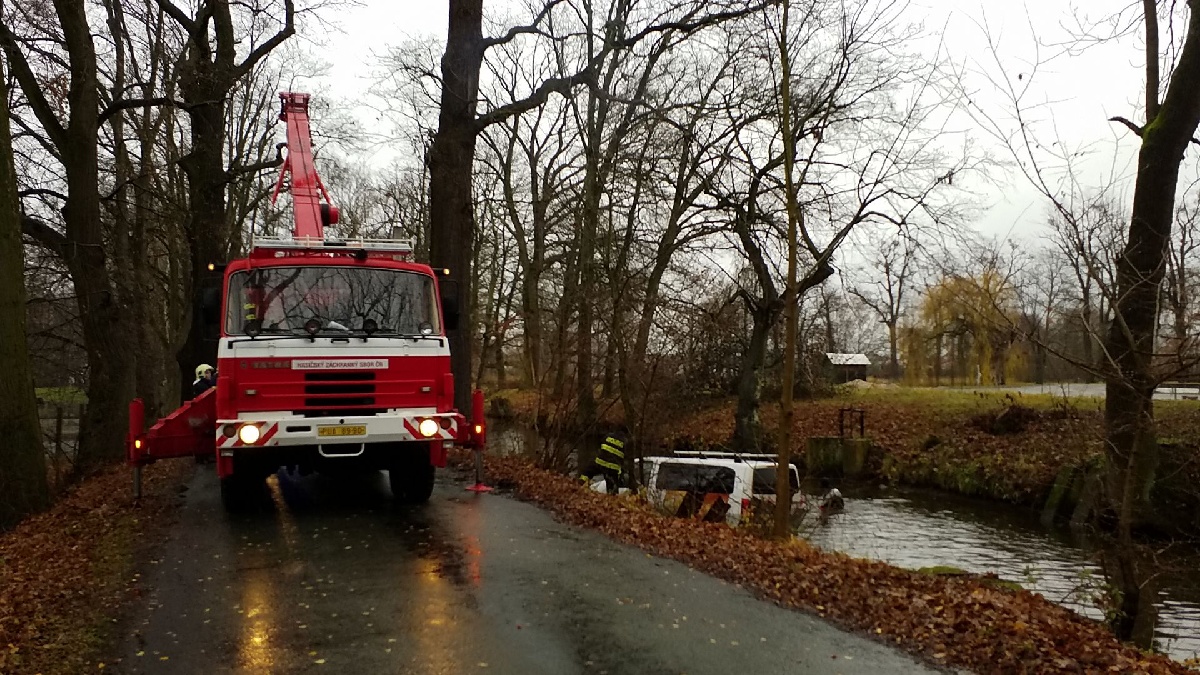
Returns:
(310, 214)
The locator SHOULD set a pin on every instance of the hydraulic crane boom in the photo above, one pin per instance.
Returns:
(310, 214)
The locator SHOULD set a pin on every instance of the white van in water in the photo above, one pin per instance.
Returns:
(714, 486)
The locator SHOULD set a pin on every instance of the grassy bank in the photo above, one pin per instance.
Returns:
(65, 573)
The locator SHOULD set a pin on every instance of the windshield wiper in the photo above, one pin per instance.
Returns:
(340, 336)
(259, 338)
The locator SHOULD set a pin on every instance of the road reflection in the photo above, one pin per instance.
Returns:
(436, 632)
(255, 650)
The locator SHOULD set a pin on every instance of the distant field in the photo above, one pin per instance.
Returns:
(61, 395)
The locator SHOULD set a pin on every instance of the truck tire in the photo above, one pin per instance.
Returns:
(411, 479)
(233, 494)
(240, 491)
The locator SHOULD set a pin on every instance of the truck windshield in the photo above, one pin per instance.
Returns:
(343, 299)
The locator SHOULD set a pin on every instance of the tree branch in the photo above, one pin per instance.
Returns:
(559, 85)
(288, 30)
(530, 28)
(235, 171)
(177, 14)
(1138, 130)
(42, 192)
(33, 91)
(689, 27)
(49, 238)
(125, 104)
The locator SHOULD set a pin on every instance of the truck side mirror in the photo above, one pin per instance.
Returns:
(210, 305)
(449, 290)
(450, 313)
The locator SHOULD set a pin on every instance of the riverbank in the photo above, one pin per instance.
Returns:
(955, 621)
(1000, 445)
(65, 573)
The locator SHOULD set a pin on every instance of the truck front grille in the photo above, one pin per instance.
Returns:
(338, 390)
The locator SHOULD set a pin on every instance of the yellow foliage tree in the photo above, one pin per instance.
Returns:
(970, 320)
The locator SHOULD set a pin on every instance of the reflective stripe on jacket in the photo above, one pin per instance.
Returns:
(612, 454)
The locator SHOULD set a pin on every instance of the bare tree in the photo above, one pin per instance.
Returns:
(1130, 361)
(890, 263)
(69, 132)
(208, 72)
(452, 154)
(1181, 284)
(849, 174)
(23, 487)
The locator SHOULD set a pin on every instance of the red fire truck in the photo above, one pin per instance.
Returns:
(331, 355)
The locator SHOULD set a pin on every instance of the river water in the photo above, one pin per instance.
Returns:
(917, 528)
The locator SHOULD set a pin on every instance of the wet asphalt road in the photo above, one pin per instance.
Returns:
(330, 577)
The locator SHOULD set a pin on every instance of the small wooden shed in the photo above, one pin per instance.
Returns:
(842, 368)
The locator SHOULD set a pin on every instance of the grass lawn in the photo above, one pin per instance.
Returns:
(61, 395)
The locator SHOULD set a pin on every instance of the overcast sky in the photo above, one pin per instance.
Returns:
(1077, 92)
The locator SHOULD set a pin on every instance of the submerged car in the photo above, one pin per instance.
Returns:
(737, 488)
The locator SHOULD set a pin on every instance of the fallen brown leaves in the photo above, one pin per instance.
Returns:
(64, 573)
(955, 621)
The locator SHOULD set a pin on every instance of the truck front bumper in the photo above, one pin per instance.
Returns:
(274, 430)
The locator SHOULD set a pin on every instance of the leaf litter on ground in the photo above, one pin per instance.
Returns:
(65, 573)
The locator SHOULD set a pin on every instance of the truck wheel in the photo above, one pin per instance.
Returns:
(238, 492)
(412, 479)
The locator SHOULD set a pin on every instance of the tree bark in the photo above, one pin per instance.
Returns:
(23, 487)
(747, 430)
(451, 165)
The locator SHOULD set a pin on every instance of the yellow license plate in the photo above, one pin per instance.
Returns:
(343, 430)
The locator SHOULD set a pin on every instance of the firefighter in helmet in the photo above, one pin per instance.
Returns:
(206, 378)
(609, 462)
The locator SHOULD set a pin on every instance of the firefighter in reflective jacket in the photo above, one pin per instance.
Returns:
(610, 462)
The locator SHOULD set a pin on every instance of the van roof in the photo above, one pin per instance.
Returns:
(713, 461)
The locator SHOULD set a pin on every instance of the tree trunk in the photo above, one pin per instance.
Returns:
(207, 233)
(105, 330)
(560, 363)
(893, 351)
(23, 487)
(1089, 357)
(1129, 409)
(1132, 447)
(587, 274)
(451, 167)
(208, 72)
(747, 431)
(937, 360)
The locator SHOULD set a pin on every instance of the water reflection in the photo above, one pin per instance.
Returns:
(433, 634)
(254, 648)
(917, 528)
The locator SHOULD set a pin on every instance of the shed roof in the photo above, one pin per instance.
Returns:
(848, 359)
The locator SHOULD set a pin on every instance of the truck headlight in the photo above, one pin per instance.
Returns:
(248, 434)
(428, 428)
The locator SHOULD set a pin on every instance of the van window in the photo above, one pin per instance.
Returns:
(697, 477)
(764, 480)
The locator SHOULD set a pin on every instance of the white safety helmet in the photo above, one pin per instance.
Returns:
(202, 369)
